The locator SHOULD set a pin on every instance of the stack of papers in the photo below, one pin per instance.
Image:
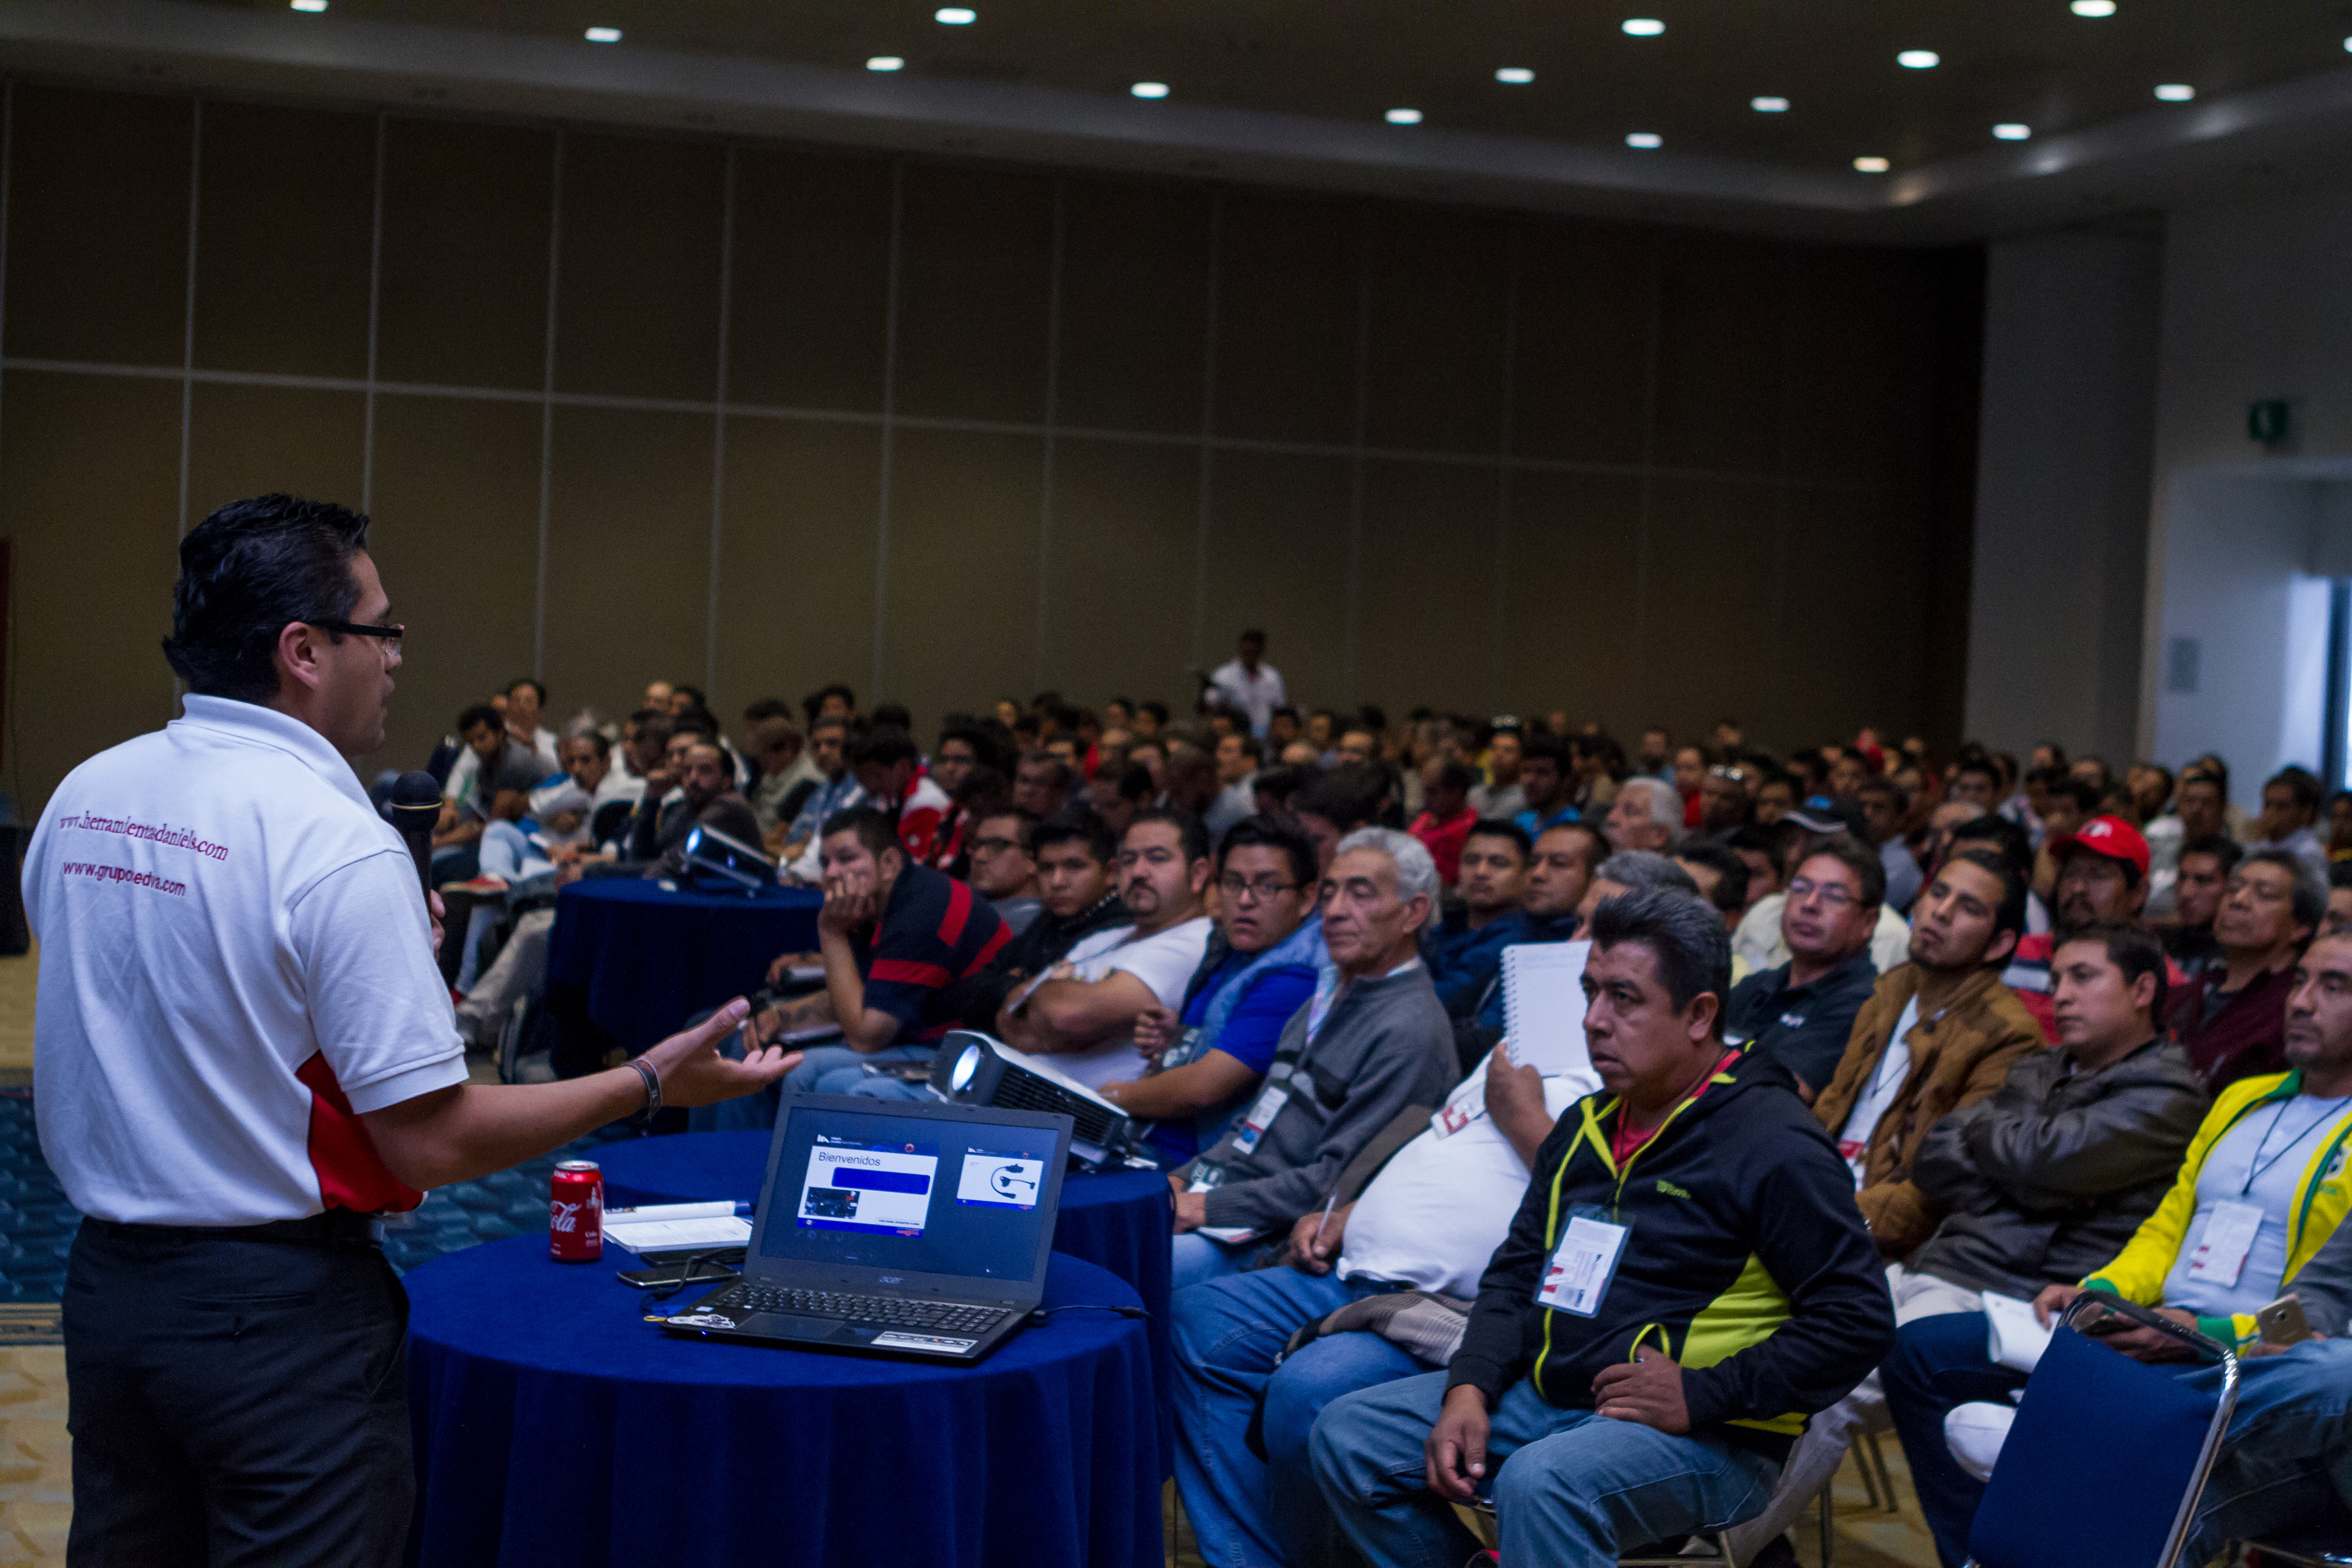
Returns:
(2015, 1337)
(674, 1228)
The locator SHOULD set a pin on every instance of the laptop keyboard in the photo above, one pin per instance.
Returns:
(743, 1299)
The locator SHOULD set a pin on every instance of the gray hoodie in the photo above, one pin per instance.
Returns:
(1385, 1044)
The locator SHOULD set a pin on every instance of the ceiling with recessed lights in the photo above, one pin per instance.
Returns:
(1737, 110)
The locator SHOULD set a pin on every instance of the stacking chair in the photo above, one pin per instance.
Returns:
(2108, 1456)
(2313, 1553)
(1479, 1517)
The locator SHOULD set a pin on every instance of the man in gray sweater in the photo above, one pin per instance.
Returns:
(1374, 1040)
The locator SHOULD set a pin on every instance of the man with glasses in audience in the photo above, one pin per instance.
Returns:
(1801, 1014)
(1759, 943)
(1201, 1061)
(1005, 866)
(1370, 1041)
(1081, 1018)
(2232, 1017)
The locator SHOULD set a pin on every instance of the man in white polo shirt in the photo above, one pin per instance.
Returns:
(243, 1054)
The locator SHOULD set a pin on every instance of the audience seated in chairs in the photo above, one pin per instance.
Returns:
(1561, 873)
(655, 835)
(1703, 1309)
(1463, 948)
(889, 770)
(1759, 943)
(494, 767)
(1001, 846)
(2233, 1018)
(1078, 886)
(1081, 1019)
(788, 776)
(1203, 1062)
(1801, 1014)
(837, 790)
(1371, 1041)
(2200, 879)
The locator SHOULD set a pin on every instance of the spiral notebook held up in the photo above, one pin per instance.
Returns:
(1543, 1007)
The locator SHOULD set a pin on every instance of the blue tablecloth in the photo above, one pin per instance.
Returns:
(553, 1427)
(647, 958)
(1118, 1221)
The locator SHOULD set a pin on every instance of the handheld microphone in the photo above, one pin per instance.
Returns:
(415, 810)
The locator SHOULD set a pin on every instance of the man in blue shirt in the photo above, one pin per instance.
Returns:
(1548, 782)
(1258, 971)
(1465, 948)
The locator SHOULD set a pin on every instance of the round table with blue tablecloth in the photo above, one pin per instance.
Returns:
(645, 958)
(554, 1427)
(1118, 1220)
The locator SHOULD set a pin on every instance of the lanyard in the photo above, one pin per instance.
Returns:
(2257, 1164)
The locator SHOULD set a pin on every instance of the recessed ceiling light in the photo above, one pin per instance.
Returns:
(1920, 59)
(1644, 26)
(1647, 141)
(1768, 105)
(309, 4)
(2010, 131)
(1871, 165)
(886, 63)
(604, 35)
(1515, 76)
(1403, 117)
(2175, 93)
(1149, 89)
(2093, 7)
(956, 15)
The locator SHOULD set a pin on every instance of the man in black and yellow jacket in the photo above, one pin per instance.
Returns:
(1687, 1278)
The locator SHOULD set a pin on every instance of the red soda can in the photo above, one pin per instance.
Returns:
(576, 1213)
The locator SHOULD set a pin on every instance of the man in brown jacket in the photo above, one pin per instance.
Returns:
(1940, 1032)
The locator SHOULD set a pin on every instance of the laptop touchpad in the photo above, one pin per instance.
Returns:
(788, 1326)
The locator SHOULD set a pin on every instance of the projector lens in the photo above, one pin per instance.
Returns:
(694, 842)
(960, 1077)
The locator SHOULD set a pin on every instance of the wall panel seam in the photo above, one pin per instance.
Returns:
(718, 424)
(547, 412)
(1352, 620)
(188, 314)
(1204, 500)
(375, 299)
(1502, 639)
(889, 412)
(1053, 408)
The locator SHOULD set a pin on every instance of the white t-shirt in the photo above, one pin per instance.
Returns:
(1438, 1209)
(1885, 1084)
(1164, 962)
(1254, 698)
(235, 961)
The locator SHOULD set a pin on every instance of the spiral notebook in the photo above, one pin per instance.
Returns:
(1543, 1007)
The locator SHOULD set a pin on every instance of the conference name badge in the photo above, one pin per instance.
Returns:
(1583, 1264)
(1270, 1101)
(2229, 1232)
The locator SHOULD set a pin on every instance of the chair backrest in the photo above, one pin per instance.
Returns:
(608, 819)
(2094, 1472)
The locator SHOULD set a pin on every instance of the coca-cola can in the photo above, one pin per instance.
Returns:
(576, 1213)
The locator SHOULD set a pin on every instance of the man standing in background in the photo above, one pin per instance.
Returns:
(1250, 686)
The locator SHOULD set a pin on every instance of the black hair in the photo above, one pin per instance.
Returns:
(2133, 949)
(594, 737)
(1541, 743)
(875, 829)
(1281, 784)
(538, 688)
(693, 695)
(2057, 752)
(696, 722)
(1024, 826)
(985, 752)
(1348, 797)
(2006, 837)
(1251, 747)
(2310, 895)
(2301, 784)
(893, 715)
(1682, 932)
(1275, 833)
(1190, 832)
(1134, 782)
(1079, 822)
(246, 573)
(2015, 885)
(1290, 713)
(1456, 775)
(1855, 856)
(481, 713)
(1979, 763)
(1503, 827)
(1731, 873)
(1157, 709)
(2224, 849)
(767, 708)
(1596, 843)
(1065, 778)
(884, 745)
(1251, 634)
(813, 703)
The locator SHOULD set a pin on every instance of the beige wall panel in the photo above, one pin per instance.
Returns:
(1569, 603)
(89, 484)
(466, 212)
(1279, 561)
(811, 286)
(1854, 632)
(1582, 342)
(1722, 310)
(283, 240)
(637, 314)
(796, 578)
(1427, 630)
(1288, 285)
(975, 277)
(1433, 360)
(97, 226)
(962, 613)
(1119, 592)
(1135, 303)
(628, 554)
(456, 535)
(253, 440)
(1709, 603)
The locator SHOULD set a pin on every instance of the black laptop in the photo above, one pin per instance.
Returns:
(895, 1228)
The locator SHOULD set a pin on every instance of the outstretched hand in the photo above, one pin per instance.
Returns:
(693, 1073)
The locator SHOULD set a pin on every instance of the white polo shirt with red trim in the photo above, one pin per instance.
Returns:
(236, 962)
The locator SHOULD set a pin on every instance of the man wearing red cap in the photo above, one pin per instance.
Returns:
(2102, 875)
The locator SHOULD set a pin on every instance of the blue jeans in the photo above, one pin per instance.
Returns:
(1938, 1362)
(1573, 1488)
(2286, 1464)
(837, 1070)
(1248, 1513)
(1194, 1259)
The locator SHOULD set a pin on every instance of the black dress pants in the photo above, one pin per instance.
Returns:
(235, 1402)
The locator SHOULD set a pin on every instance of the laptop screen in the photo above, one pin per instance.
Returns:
(905, 1193)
